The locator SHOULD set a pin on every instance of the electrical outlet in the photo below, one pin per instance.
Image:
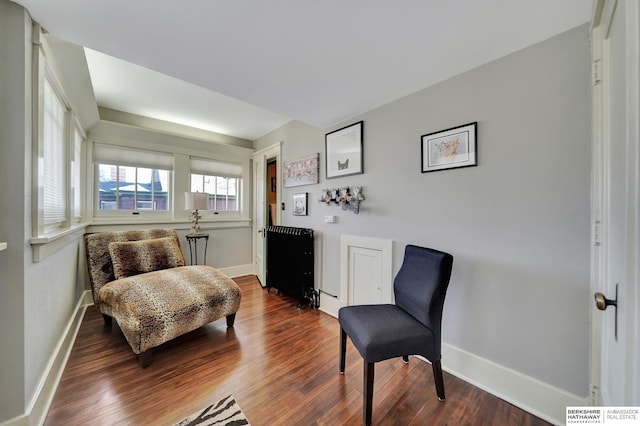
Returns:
(330, 219)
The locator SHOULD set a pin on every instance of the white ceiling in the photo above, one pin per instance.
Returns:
(246, 67)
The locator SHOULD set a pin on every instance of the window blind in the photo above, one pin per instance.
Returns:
(215, 167)
(54, 164)
(121, 156)
(75, 173)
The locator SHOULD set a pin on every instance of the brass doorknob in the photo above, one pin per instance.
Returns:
(602, 302)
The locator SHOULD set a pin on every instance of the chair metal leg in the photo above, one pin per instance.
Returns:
(368, 391)
(405, 359)
(343, 349)
(437, 377)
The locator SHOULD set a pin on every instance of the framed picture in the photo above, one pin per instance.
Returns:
(450, 149)
(304, 171)
(344, 151)
(300, 204)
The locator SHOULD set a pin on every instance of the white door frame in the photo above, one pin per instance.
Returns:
(271, 152)
(630, 312)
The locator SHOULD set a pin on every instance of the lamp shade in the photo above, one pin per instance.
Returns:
(196, 201)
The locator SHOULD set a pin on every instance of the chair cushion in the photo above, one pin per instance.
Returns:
(131, 258)
(381, 332)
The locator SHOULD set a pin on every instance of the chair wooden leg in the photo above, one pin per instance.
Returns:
(343, 349)
(108, 321)
(230, 320)
(437, 377)
(368, 391)
(145, 358)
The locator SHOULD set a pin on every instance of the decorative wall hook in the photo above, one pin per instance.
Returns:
(348, 198)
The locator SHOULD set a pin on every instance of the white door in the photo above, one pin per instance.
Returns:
(260, 221)
(365, 270)
(615, 369)
(365, 276)
(261, 208)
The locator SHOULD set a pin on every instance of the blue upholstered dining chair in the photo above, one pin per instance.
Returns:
(410, 327)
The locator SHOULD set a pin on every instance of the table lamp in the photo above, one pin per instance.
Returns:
(195, 201)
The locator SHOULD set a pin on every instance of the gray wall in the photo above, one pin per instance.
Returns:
(36, 299)
(517, 225)
(15, 33)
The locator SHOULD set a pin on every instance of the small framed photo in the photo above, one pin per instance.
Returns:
(450, 149)
(344, 151)
(300, 204)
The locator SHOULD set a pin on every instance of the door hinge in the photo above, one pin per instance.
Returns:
(596, 72)
(594, 395)
(595, 237)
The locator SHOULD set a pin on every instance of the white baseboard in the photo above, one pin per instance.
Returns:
(238, 271)
(532, 395)
(22, 420)
(39, 406)
(330, 304)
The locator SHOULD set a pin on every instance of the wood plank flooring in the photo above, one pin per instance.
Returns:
(279, 362)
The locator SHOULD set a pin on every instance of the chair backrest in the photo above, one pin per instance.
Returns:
(98, 257)
(421, 285)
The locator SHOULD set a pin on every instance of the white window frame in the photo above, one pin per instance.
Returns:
(130, 151)
(119, 154)
(42, 229)
(48, 238)
(136, 214)
(220, 168)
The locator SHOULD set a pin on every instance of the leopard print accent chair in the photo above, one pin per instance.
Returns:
(151, 295)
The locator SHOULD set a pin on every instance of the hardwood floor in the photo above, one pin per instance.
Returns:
(279, 362)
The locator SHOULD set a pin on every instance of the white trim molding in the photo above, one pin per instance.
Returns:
(530, 394)
(38, 408)
(45, 246)
(330, 305)
(238, 270)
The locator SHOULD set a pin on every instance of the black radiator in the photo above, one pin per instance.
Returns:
(290, 263)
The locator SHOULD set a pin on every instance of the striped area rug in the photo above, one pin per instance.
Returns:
(225, 412)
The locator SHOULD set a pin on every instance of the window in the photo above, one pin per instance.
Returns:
(221, 180)
(222, 190)
(131, 180)
(57, 158)
(132, 188)
(54, 167)
(76, 171)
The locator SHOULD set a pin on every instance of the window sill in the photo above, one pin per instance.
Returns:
(103, 224)
(45, 245)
